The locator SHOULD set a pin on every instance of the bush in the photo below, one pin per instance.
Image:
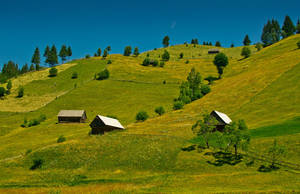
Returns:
(37, 163)
(146, 62)
(205, 89)
(28, 151)
(246, 52)
(103, 75)
(52, 72)
(141, 116)
(2, 91)
(211, 79)
(187, 62)
(61, 139)
(109, 62)
(181, 55)
(160, 110)
(87, 56)
(154, 63)
(178, 105)
(42, 118)
(166, 56)
(20, 92)
(162, 64)
(74, 75)
(298, 44)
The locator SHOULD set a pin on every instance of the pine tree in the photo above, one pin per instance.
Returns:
(127, 51)
(8, 86)
(52, 58)
(166, 41)
(218, 44)
(288, 27)
(69, 51)
(247, 40)
(31, 67)
(47, 53)
(136, 51)
(24, 69)
(36, 59)
(298, 27)
(99, 52)
(37, 67)
(63, 53)
(105, 53)
(271, 33)
(108, 48)
(232, 45)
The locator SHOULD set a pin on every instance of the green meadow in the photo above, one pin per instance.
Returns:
(147, 157)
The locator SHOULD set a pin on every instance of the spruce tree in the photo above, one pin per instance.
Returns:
(136, 51)
(31, 67)
(24, 69)
(63, 53)
(52, 58)
(271, 33)
(105, 53)
(37, 67)
(8, 86)
(108, 48)
(232, 45)
(47, 53)
(288, 27)
(298, 27)
(99, 52)
(218, 44)
(69, 51)
(127, 51)
(247, 40)
(166, 41)
(36, 59)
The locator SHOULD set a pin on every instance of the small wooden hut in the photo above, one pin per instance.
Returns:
(72, 116)
(213, 51)
(222, 119)
(103, 124)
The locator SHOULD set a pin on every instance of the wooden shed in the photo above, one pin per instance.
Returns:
(213, 51)
(72, 116)
(103, 124)
(222, 119)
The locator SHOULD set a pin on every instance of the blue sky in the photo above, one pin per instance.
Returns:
(90, 24)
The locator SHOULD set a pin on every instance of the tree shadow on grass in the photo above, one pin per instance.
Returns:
(222, 158)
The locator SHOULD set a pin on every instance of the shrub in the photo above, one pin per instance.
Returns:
(42, 118)
(28, 151)
(205, 89)
(210, 79)
(160, 110)
(178, 105)
(141, 116)
(52, 72)
(164, 82)
(146, 62)
(258, 46)
(109, 62)
(162, 64)
(154, 63)
(166, 56)
(181, 55)
(20, 92)
(74, 75)
(87, 56)
(61, 139)
(187, 62)
(2, 91)
(103, 75)
(37, 163)
(298, 44)
(246, 52)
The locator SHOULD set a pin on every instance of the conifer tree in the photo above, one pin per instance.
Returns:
(127, 51)
(63, 53)
(99, 52)
(271, 33)
(69, 51)
(31, 67)
(24, 69)
(47, 53)
(288, 27)
(247, 40)
(298, 27)
(232, 45)
(136, 51)
(105, 53)
(218, 44)
(8, 86)
(52, 58)
(36, 59)
(37, 67)
(108, 48)
(166, 41)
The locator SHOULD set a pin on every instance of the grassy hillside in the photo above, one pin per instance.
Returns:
(147, 157)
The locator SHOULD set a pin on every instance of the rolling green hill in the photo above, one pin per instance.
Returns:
(147, 157)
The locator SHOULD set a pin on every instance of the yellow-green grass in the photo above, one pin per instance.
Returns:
(147, 157)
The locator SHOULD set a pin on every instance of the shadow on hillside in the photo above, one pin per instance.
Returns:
(222, 158)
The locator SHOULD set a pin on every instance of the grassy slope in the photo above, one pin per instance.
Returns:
(147, 156)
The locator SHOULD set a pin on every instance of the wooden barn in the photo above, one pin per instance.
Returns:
(72, 116)
(222, 119)
(213, 51)
(103, 124)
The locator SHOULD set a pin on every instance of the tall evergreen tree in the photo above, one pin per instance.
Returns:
(298, 27)
(24, 69)
(63, 53)
(166, 41)
(271, 33)
(105, 53)
(47, 53)
(99, 52)
(136, 51)
(36, 59)
(31, 67)
(218, 44)
(8, 86)
(69, 51)
(127, 51)
(247, 40)
(108, 48)
(288, 27)
(52, 58)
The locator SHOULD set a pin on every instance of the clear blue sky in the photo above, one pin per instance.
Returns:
(90, 24)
